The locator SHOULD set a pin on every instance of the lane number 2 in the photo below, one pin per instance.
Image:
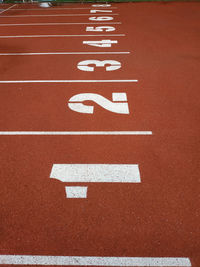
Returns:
(118, 104)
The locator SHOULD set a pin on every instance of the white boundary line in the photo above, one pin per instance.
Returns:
(76, 133)
(69, 81)
(63, 53)
(58, 15)
(93, 261)
(64, 35)
(7, 9)
(58, 23)
(56, 8)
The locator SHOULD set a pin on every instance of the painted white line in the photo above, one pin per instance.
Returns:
(63, 53)
(76, 133)
(76, 191)
(55, 8)
(57, 23)
(72, 81)
(65, 35)
(96, 173)
(7, 9)
(56, 15)
(94, 261)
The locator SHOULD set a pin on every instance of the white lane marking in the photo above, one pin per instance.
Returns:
(96, 173)
(7, 9)
(77, 103)
(53, 15)
(99, 11)
(55, 8)
(65, 35)
(102, 43)
(76, 191)
(56, 23)
(100, 29)
(63, 53)
(76, 133)
(44, 4)
(72, 81)
(110, 65)
(93, 173)
(94, 261)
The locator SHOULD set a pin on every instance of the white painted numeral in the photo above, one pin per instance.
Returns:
(93, 173)
(100, 10)
(96, 173)
(113, 65)
(101, 18)
(101, 5)
(100, 29)
(112, 106)
(102, 43)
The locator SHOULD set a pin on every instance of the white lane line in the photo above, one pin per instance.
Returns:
(57, 15)
(72, 81)
(55, 8)
(7, 9)
(64, 53)
(57, 23)
(76, 133)
(94, 261)
(65, 35)
(96, 173)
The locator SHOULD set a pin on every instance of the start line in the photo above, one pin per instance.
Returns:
(93, 261)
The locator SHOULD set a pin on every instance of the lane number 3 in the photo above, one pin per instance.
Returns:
(109, 65)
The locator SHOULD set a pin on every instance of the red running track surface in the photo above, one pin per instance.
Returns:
(158, 217)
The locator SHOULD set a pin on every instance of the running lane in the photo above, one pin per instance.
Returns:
(157, 87)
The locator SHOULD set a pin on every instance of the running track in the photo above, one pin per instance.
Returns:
(139, 150)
